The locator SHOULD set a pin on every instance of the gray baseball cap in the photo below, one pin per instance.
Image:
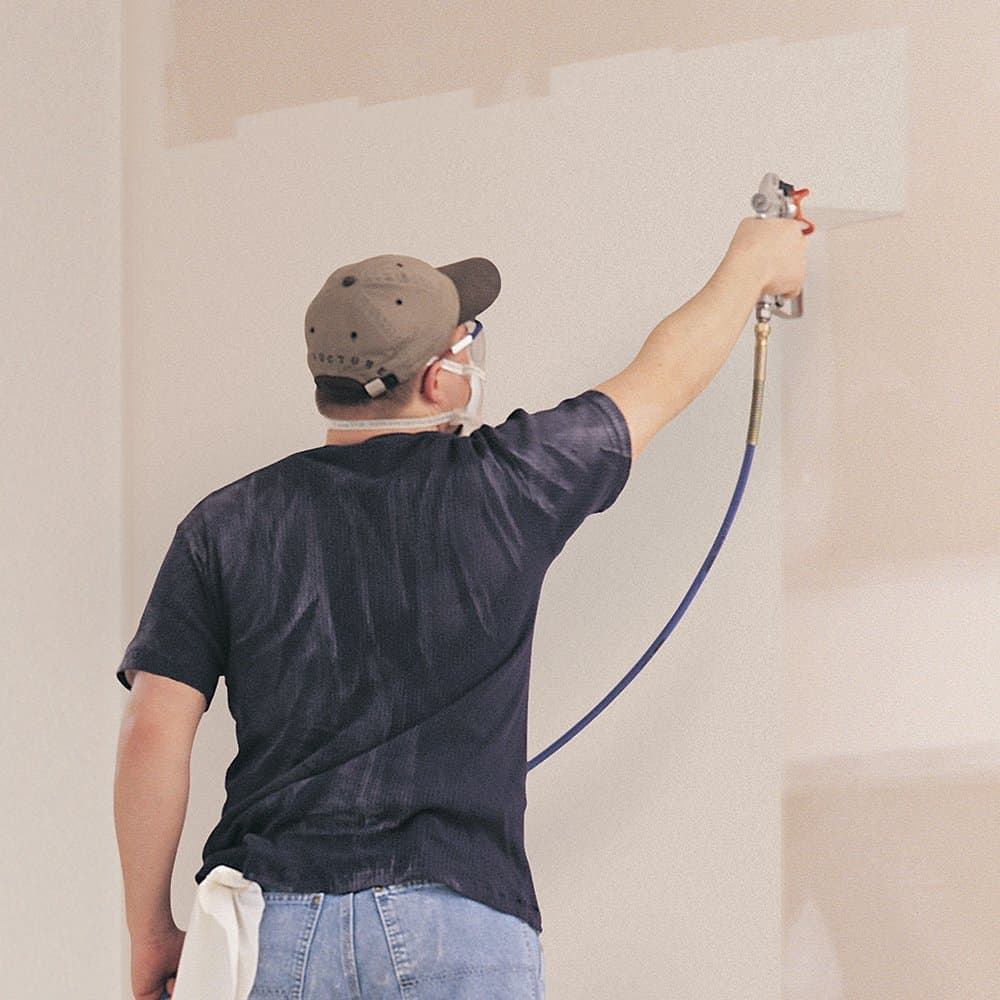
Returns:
(379, 321)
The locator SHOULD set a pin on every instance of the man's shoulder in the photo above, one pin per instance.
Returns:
(251, 489)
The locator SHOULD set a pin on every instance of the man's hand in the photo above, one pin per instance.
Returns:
(155, 960)
(775, 249)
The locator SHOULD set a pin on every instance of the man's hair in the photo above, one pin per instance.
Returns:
(345, 397)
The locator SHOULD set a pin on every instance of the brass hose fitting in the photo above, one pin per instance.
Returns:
(762, 331)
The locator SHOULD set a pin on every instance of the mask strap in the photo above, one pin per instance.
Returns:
(431, 420)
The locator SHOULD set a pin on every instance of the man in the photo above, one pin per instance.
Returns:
(371, 603)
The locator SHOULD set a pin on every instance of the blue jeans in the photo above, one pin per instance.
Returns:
(410, 941)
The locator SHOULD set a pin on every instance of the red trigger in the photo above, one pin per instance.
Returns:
(797, 197)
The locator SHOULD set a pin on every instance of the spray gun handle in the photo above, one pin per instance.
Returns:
(776, 199)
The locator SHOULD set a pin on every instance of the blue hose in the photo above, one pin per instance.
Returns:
(669, 627)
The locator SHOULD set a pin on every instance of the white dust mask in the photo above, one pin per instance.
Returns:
(472, 412)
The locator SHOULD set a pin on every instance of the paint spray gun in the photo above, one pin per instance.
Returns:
(777, 200)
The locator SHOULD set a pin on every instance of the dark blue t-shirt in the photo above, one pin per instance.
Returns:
(371, 607)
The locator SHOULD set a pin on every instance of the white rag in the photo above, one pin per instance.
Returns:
(219, 957)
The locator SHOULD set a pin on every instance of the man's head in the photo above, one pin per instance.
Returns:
(370, 330)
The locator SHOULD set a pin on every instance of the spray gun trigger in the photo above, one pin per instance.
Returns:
(797, 197)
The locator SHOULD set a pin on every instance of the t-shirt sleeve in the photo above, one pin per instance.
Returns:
(181, 633)
(560, 465)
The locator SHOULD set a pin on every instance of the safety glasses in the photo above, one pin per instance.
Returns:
(473, 340)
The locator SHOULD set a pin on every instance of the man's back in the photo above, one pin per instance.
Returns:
(371, 607)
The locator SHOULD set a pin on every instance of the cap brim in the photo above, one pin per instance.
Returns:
(478, 282)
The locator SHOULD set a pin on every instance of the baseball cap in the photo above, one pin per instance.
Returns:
(377, 321)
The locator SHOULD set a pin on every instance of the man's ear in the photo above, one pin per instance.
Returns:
(431, 389)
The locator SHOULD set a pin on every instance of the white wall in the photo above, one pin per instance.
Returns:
(60, 499)
(593, 184)
(891, 475)
(890, 565)
(603, 164)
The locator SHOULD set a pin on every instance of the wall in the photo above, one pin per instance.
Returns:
(61, 591)
(889, 487)
(802, 783)
(578, 162)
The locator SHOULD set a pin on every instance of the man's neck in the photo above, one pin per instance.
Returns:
(336, 436)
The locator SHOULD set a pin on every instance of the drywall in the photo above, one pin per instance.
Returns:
(60, 497)
(605, 186)
(891, 569)
(602, 161)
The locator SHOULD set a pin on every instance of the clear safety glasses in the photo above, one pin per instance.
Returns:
(473, 340)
